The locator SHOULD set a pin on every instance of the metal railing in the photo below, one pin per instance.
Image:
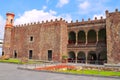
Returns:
(85, 45)
(98, 62)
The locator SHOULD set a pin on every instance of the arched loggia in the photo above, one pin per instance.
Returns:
(102, 57)
(72, 37)
(102, 36)
(81, 57)
(92, 57)
(92, 36)
(71, 56)
(81, 37)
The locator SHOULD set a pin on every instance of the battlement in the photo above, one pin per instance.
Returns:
(10, 13)
(77, 23)
(116, 11)
(95, 21)
(112, 13)
(42, 22)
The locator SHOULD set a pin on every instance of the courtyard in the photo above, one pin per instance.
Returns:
(10, 72)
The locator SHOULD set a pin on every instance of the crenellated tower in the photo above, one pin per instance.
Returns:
(7, 33)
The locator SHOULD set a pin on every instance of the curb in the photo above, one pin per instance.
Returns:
(116, 77)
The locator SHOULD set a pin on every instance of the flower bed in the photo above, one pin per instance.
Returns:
(56, 67)
(79, 70)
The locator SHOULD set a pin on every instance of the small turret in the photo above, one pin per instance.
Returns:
(9, 20)
(8, 34)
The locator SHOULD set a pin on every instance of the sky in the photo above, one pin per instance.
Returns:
(27, 11)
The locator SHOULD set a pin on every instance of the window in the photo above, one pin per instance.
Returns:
(7, 19)
(11, 21)
(2, 53)
(31, 38)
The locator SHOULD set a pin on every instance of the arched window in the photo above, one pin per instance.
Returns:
(72, 37)
(81, 37)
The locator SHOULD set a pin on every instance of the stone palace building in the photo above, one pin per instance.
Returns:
(92, 42)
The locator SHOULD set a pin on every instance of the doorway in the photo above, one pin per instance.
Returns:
(49, 55)
(15, 54)
(30, 54)
(2, 53)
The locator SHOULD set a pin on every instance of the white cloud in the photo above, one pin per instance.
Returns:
(67, 17)
(99, 16)
(84, 5)
(61, 3)
(91, 6)
(44, 7)
(35, 15)
(2, 24)
(40, 15)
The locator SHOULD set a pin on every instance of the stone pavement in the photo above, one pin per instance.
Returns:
(10, 72)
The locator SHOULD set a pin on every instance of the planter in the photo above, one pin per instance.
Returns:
(64, 60)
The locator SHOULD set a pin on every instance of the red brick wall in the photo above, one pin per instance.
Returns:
(46, 36)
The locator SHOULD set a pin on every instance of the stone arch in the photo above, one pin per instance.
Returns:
(72, 37)
(92, 37)
(71, 56)
(102, 35)
(81, 37)
(81, 57)
(102, 57)
(92, 57)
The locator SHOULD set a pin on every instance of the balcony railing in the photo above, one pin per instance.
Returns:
(82, 45)
(100, 62)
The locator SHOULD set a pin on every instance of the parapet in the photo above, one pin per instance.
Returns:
(77, 23)
(10, 13)
(110, 13)
(42, 22)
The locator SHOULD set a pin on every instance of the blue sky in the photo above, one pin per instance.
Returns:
(27, 11)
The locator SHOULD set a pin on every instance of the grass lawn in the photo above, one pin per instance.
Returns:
(11, 60)
(33, 62)
(92, 72)
(18, 61)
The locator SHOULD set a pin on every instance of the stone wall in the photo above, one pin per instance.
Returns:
(7, 41)
(113, 36)
(53, 36)
(21, 40)
(46, 36)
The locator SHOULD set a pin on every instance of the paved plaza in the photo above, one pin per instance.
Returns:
(10, 72)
